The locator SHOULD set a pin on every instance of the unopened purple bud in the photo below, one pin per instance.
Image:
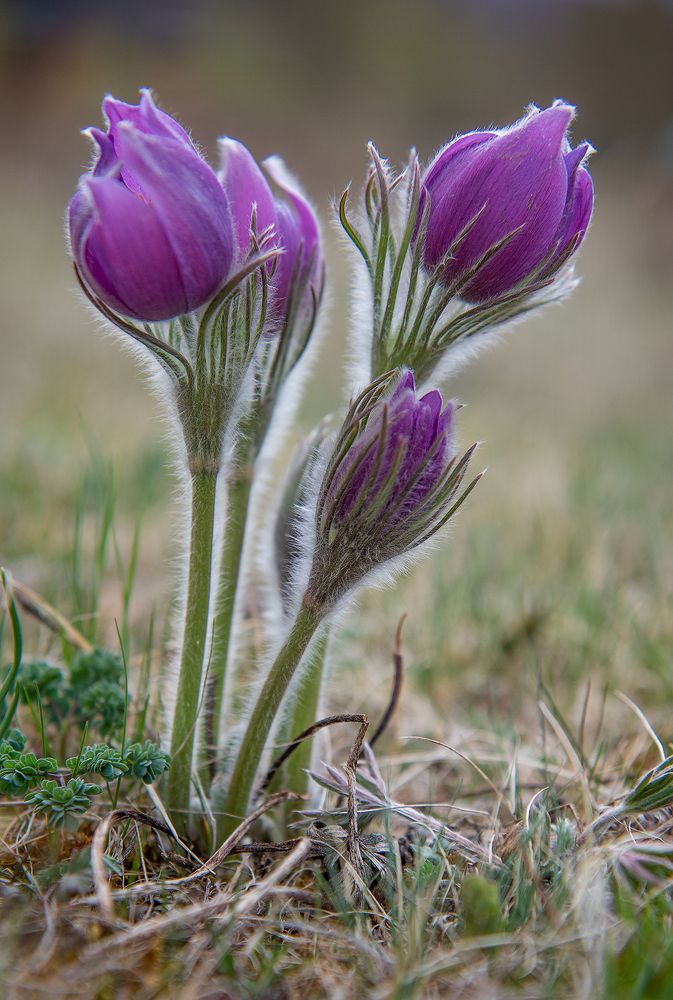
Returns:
(389, 486)
(150, 229)
(522, 188)
(299, 267)
(406, 439)
(145, 116)
(247, 192)
(578, 208)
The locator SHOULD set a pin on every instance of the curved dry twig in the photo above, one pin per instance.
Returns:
(398, 677)
(329, 720)
(350, 767)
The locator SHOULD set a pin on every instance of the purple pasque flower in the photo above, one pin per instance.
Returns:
(389, 486)
(300, 268)
(285, 219)
(248, 193)
(404, 449)
(523, 185)
(150, 228)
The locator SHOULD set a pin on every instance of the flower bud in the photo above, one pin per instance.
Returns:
(247, 191)
(389, 486)
(287, 221)
(150, 229)
(299, 269)
(506, 206)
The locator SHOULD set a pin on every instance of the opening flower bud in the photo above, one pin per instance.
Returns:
(248, 193)
(298, 278)
(507, 205)
(389, 486)
(150, 228)
(285, 220)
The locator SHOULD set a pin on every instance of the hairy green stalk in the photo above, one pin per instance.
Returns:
(259, 725)
(303, 713)
(193, 645)
(239, 489)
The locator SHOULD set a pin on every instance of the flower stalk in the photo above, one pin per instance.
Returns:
(294, 295)
(195, 631)
(239, 489)
(303, 713)
(262, 718)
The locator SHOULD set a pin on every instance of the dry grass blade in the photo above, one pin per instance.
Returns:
(48, 615)
(482, 774)
(101, 884)
(282, 871)
(573, 759)
(638, 712)
(197, 913)
(106, 895)
(225, 849)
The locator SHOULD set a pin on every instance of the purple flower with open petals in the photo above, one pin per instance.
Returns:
(150, 227)
(389, 486)
(524, 185)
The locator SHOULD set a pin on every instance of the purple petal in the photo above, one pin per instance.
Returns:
(125, 256)
(449, 156)
(574, 157)
(147, 119)
(145, 116)
(80, 211)
(515, 179)
(414, 430)
(245, 185)
(445, 422)
(432, 402)
(452, 152)
(422, 436)
(287, 263)
(406, 382)
(298, 231)
(105, 157)
(190, 204)
(579, 203)
(397, 412)
(582, 205)
(306, 223)
(407, 447)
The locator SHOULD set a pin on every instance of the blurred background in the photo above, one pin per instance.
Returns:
(563, 564)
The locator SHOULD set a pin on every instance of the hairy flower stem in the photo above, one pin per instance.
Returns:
(239, 489)
(303, 713)
(259, 725)
(193, 646)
